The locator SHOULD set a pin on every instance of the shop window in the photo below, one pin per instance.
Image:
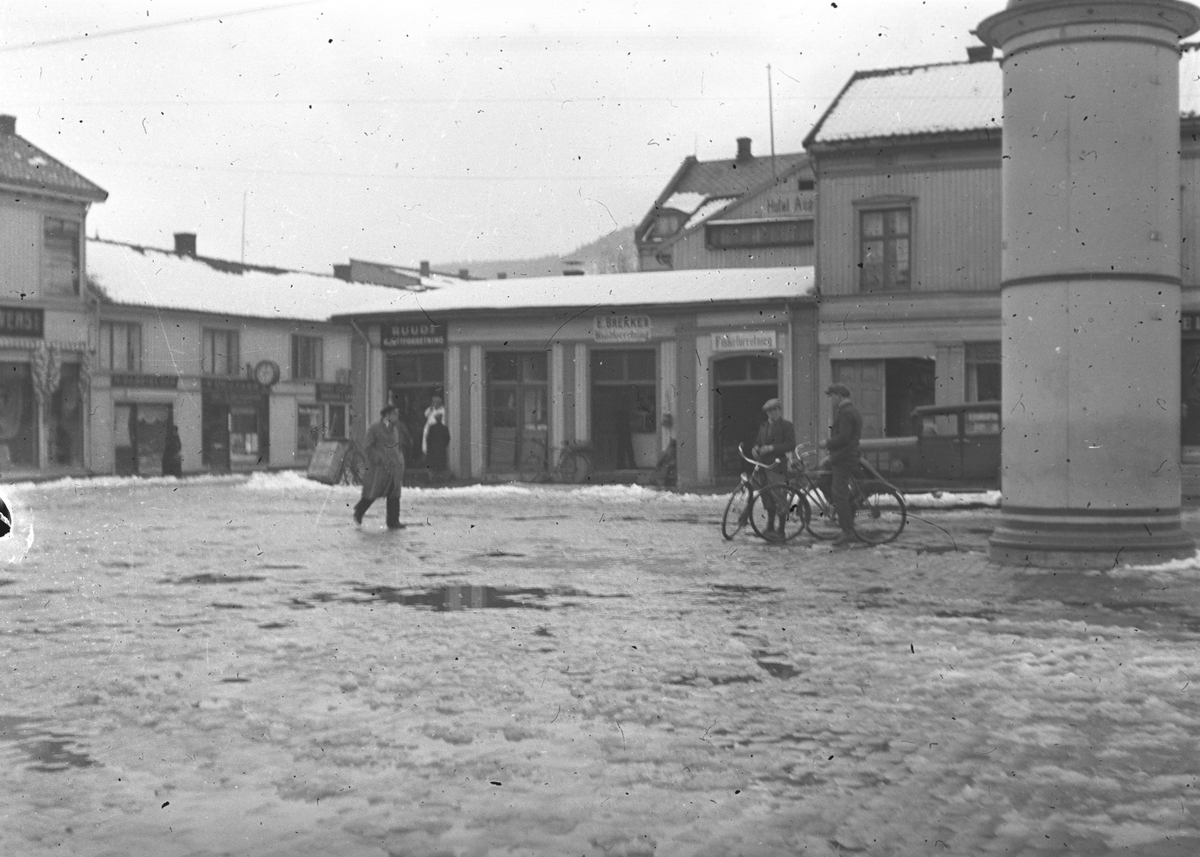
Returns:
(139, 438)
(909, 384)
(310, 425)
(766, 233)
(983, 371)
(516, 406)
(60, 256)
(624, 408)
(243, 436)
(306, 358)
(336, 424)
(18, 417)
(120, 346)
(884, 236)
(220, 354)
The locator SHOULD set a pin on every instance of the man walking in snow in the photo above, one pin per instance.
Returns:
(384, 474)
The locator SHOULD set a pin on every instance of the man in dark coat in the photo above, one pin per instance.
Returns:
(843, 448)
(384, 473)
(776, 438)
(172, 460)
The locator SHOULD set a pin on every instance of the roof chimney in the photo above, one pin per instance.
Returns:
(464, 274)
(342, 272)
(979, 53)
(185, 243)
(424, 268)
(502, 275)
(8, 125)
(743, 144)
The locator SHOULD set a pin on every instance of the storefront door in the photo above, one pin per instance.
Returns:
(139, 437)
(516, 414)
(741, 386)
(413, 379)
(624, 409)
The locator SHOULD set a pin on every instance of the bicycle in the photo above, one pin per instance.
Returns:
(877, 507)
(744, 506)
(353, 464)
(573, 464)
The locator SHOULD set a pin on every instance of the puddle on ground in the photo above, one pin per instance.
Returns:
(48, 751)
(738, 589)
(207, 578)
(448, 598)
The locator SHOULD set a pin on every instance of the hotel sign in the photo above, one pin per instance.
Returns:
(744, 340)
(21, 321)
(621, 328)
(412, 334)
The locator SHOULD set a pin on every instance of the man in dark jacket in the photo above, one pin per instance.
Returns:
(842, 446)
(776, 438)
(384, 474)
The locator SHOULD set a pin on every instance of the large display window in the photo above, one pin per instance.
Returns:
(516, 412)
(414, 380)
(624, 408)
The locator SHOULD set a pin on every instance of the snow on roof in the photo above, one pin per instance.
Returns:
(137, 276)
(140, 276)
(686, 201)
(922, 100)
(708, 209)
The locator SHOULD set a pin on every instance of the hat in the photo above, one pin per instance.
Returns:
(773, 403)
(839, 390)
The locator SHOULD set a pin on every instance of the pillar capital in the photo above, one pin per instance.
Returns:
(1058, 20)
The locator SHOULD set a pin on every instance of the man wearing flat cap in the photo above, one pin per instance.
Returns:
(843, 457)
(776, 438)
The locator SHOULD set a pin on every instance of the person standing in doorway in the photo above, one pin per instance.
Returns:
(437, 408)
(437, 441)
(843, 449)
(384, 473)
(776, 438)
(172, 460)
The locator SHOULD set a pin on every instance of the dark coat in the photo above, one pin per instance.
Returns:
(779, 437)
(384, 452)
(437, 440)
(844, 435)
(172, 460)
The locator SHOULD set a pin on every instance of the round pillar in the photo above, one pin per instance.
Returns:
(1090, 273)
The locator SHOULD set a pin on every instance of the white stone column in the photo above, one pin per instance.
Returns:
(478, 438)
(1090, 281)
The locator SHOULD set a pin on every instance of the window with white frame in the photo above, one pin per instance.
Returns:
(306, 358)
(219, 352)
(885, 236)
(60, 256)
(120, 346)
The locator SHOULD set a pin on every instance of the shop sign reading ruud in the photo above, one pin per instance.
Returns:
(20, 321)
(413, 334)
(621, 328)
(744, 340)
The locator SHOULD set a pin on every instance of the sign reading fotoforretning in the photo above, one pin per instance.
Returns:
(621, 328)
(744, 340)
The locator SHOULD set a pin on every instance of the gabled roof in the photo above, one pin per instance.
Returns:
(24, 165)
(945, 99)
(702, 189)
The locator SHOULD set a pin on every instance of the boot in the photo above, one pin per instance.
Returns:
(393, 513)
(360, 509)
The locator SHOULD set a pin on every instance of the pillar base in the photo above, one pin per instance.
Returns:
(1065, 543)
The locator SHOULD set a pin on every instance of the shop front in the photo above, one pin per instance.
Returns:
(235, 424)
(325, 419)
(624, 382)
(415, 371)
(143, 415)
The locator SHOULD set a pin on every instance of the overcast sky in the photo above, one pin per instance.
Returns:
(451, 131)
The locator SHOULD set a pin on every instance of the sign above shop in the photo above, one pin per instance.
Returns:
(744, 340)
(157, 382)
(412, 334)
(20, 321)
(621, 328)
(334, 392)
(242, 390)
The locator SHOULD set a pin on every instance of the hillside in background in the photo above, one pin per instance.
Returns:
(612, 254)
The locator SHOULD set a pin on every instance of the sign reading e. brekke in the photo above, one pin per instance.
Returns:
(412, 334)
(21, 321)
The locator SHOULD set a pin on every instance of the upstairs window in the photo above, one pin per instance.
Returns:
(885, 236)
(220, 353)
(306, 358)
(120, 346)
(765, 233)
(60, 256)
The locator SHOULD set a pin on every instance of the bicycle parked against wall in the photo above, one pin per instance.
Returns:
(573, 463)
(758, 498)
(353, 465)
(876, 505)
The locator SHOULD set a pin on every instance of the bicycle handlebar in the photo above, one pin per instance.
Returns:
(757, 464)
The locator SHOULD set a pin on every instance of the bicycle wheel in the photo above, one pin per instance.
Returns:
(569, 468)
(533, 465)
(737, 512)
(782, 499)
(353, 465)
(822, 521)
(879, 513)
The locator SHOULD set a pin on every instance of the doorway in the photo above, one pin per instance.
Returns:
(139, 438)
(741, 386)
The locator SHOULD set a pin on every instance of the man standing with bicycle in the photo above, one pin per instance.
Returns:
(843, 449)
(776, 438)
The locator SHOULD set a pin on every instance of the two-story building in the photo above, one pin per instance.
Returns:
(242, 359)
(45, 312)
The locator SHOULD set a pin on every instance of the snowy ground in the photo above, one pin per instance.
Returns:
(223, 666)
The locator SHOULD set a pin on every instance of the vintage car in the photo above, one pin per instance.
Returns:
(957, 442)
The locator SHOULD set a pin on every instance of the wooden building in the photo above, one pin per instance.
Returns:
(741, 212)
(46, 317)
